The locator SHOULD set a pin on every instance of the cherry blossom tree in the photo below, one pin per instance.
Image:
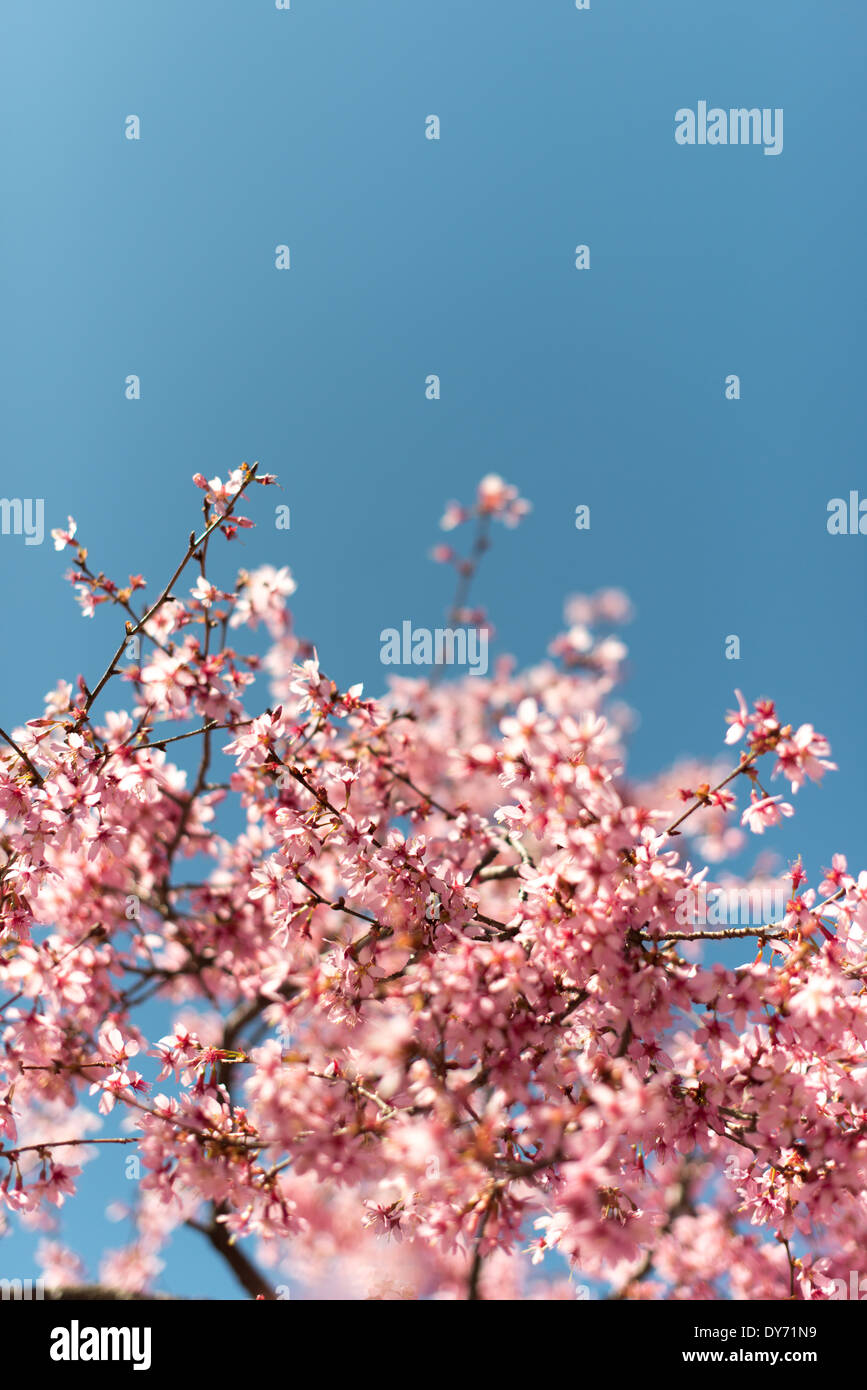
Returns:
(438, 1024)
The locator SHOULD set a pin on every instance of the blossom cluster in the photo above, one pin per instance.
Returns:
(435, 1018)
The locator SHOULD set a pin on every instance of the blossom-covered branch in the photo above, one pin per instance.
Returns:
(436, 1008)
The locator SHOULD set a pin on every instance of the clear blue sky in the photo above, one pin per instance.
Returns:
(456, 257)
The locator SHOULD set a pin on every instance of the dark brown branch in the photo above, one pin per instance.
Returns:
(243, 1269)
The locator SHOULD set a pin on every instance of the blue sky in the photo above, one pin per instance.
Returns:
(410, 257)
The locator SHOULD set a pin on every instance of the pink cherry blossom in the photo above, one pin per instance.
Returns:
(63, 538)
(437, 1017)
(765, 811)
